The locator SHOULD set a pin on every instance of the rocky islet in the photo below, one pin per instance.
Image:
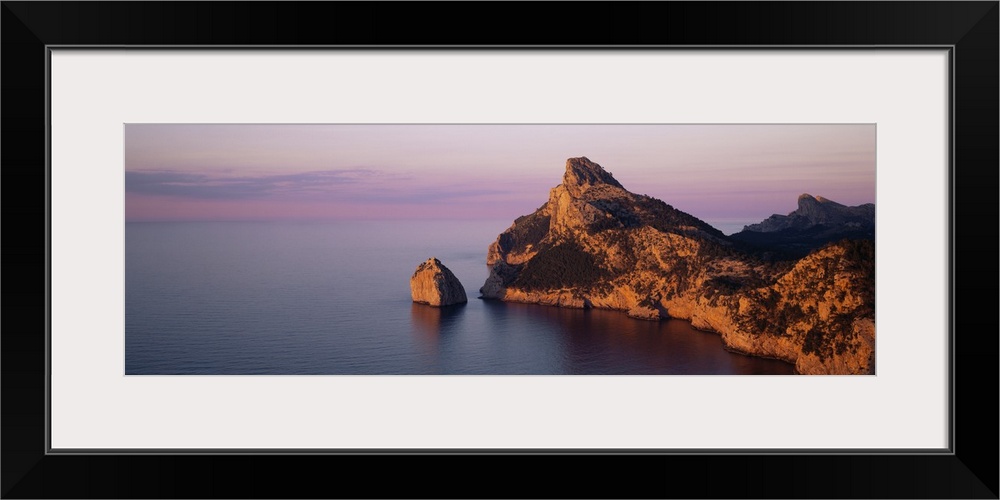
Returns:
(434, 284)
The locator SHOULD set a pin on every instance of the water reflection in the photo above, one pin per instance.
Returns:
(193, 307)
(492, 337)
(609, 342)
(432, 322)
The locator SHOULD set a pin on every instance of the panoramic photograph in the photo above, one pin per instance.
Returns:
(548, 249)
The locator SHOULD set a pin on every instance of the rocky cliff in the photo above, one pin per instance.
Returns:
(595, 244)
(816, 222)
(817, 210)
(434, 284)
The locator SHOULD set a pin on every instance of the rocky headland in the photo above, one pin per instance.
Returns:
(816, 222)
(595, 244)
(434, 284)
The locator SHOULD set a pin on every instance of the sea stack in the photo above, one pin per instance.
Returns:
(435, 285)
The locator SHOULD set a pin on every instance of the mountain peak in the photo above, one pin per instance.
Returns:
(806, 199)
(817, 210)
(581, 171)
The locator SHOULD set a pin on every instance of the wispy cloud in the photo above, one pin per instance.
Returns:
(177, 171)
(364, 186)
(205, 186)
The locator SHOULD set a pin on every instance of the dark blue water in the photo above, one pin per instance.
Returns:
(333, 298)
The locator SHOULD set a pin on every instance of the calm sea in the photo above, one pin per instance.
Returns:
(333, 298)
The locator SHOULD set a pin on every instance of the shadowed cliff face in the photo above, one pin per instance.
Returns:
(816, 222)
(595, 244)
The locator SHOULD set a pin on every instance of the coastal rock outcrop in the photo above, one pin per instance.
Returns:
(594, 244)
(434, 284)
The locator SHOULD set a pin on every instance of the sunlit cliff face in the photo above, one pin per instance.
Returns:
(594, 244)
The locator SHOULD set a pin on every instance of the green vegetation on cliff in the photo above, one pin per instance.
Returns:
(565, 264)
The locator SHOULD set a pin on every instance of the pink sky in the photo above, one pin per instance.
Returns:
(727, 175)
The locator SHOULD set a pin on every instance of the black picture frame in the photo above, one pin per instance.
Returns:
(970, 470)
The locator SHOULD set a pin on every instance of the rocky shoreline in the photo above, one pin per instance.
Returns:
(596, 245)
